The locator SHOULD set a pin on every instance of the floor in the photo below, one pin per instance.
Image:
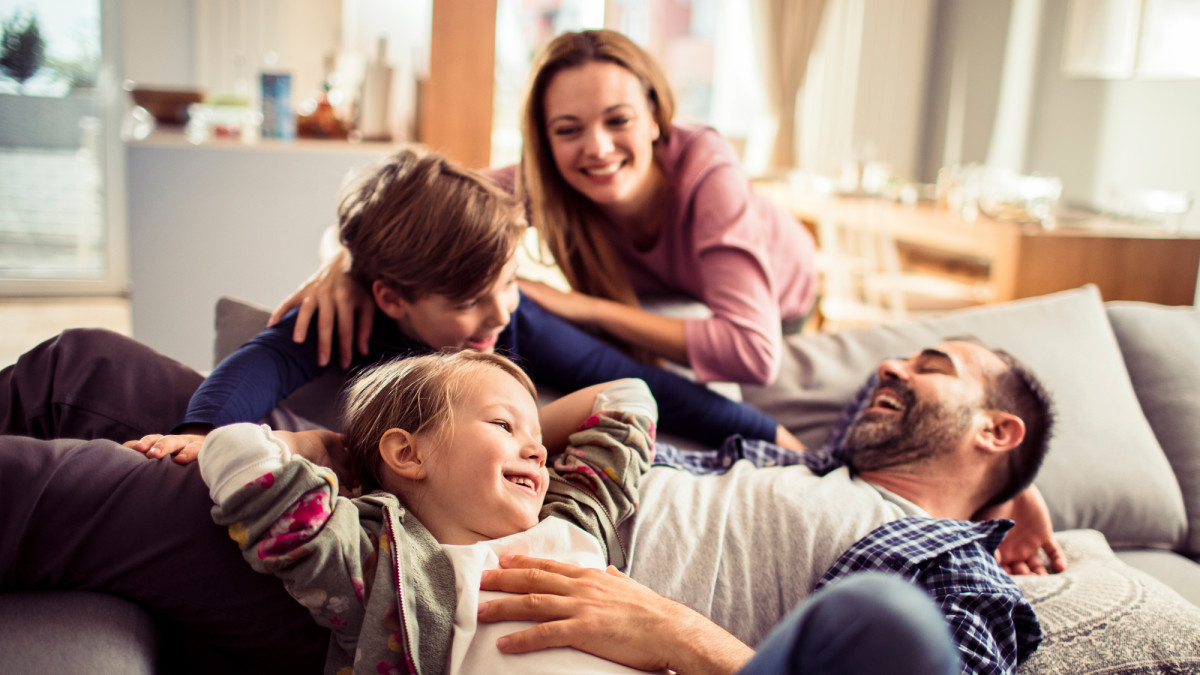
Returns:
(28, 321)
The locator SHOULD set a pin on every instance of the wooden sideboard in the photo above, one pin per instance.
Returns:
(1127, 261)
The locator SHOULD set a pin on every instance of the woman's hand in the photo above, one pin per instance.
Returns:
(785, 439)
(607, 614)
(184, 447)
(571, 305)
(660, 335)
(332, 294)
(1033, 533)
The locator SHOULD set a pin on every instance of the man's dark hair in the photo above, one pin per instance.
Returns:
(1018, 391)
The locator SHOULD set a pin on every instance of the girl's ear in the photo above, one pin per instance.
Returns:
(400, 453)
(392, 303)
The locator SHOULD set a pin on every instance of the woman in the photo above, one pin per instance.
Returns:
(632, 206)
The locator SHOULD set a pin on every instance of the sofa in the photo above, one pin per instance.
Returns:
(1122, 480)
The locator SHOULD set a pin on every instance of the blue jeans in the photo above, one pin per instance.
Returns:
(864, 623)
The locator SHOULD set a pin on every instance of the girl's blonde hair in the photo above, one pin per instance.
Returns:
(569, 223)
(416, 394)
(422, 224)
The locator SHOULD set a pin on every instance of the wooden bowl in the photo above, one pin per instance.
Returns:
(169, 106)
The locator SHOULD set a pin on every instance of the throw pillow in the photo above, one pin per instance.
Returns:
(1103, 616)
(1161, 346)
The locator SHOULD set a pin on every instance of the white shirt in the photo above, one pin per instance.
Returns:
(474, 647)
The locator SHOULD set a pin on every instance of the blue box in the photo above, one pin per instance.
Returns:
(278, 120)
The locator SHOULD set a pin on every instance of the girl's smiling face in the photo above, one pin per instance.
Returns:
(601, 131)
(486, 469)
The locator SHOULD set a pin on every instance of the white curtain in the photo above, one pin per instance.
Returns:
(786, 30)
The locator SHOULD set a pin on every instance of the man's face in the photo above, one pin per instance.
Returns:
(926, 405)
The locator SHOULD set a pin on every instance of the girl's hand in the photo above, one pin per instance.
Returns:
(572, 306)
(184, 447)
(1033, 533)
(331, 293)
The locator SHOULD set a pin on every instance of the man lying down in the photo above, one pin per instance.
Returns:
(942, 438)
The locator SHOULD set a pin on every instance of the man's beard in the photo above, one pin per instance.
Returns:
(925, 429)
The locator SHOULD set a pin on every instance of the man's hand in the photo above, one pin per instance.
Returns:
(184, 447)
(1033, 532)
(607, 614)
(332, 294)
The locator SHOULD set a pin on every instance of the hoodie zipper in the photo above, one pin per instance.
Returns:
(401, 611)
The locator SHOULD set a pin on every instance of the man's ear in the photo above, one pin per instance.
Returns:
(401, 454)
(1002, 432)
(392, 303)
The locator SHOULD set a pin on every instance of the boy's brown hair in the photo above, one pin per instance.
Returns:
(421, 225)
(414, 394)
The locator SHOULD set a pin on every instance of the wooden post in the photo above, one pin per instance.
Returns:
(455, 108)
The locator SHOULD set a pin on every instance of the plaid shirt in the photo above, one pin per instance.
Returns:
(820, 460)
(990, 620)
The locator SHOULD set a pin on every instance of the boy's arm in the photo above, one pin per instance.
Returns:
(563, 356)
(251, 381)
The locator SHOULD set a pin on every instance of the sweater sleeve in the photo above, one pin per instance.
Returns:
(742, 341)
(289, 521)
(236, 455)
(595, 482)
(561, 355)
(251, 381)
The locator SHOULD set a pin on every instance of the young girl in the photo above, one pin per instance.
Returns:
(449, 449)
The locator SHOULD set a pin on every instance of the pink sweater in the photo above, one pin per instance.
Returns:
(750, 262)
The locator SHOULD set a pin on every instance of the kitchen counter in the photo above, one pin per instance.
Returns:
(225, 218)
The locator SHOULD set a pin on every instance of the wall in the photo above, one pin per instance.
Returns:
(157, 42)
(225, 219)
(968, 42)
(1101, 133)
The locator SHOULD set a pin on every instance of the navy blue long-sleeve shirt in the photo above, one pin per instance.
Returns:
(248, 384)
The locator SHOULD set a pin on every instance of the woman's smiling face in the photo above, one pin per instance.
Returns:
(601, 131)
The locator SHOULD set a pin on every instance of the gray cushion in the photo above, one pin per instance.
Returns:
(75, 632)
(1162, 353)
(1103, 616)
(1105, 469)
(313, 404)
(1180, 573)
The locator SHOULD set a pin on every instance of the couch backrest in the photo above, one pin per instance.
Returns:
(1105, 469)
(1161, 346)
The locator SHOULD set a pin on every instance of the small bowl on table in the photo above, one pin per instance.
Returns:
(168, 106)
